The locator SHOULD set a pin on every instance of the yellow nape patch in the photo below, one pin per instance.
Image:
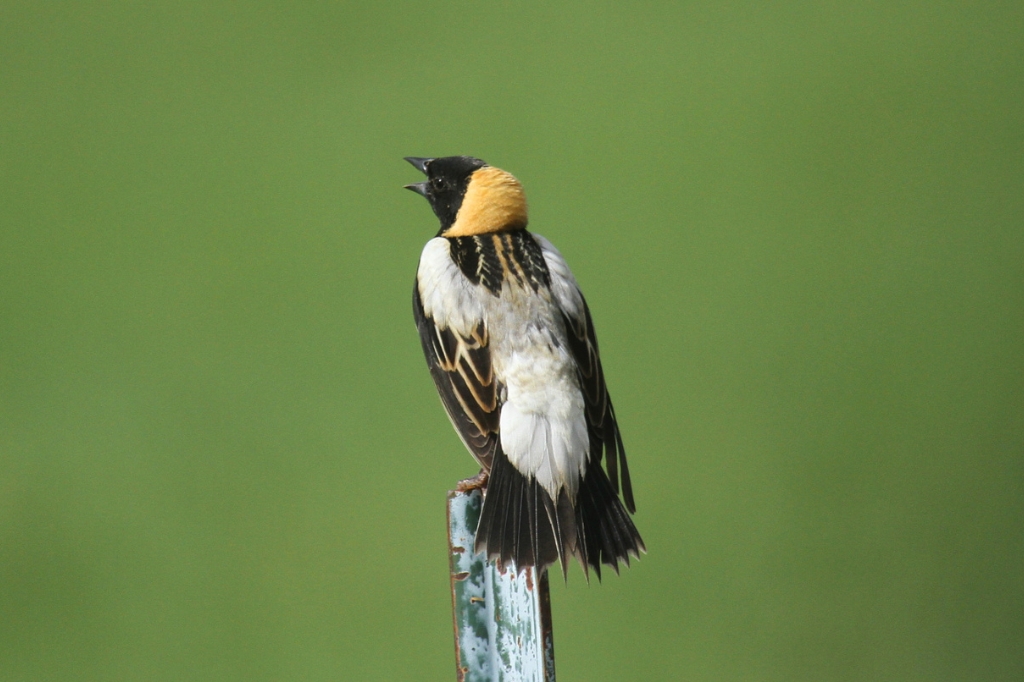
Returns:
(494, 201)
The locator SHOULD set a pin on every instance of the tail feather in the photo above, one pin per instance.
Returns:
(521, 524)
(607, 532)
(514, 529)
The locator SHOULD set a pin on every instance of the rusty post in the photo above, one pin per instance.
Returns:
(502, 620)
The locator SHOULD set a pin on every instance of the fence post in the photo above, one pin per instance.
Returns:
(502, 620)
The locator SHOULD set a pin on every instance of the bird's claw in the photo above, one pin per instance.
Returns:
(478, 482)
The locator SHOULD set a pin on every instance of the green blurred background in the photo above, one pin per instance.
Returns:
(800, 229)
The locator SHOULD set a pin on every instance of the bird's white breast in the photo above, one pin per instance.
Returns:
(543, 429)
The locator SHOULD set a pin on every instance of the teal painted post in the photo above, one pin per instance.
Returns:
(502, 620)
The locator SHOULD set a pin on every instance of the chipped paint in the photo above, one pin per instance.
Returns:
(502, 620)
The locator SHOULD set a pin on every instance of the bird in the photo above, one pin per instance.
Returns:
(510, 344)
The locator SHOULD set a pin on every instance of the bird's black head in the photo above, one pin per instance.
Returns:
(469, 197)
(447, 180)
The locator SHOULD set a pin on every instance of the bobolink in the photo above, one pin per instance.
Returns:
(511, 347)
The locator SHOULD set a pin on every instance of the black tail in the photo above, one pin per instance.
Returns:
(606, 534)
(520, 523)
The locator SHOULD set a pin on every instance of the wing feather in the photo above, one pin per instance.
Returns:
(600, 415)
(461, 369)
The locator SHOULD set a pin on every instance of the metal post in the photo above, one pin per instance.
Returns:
(502, 620)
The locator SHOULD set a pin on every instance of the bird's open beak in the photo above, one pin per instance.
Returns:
(419, 187)
(419, 163)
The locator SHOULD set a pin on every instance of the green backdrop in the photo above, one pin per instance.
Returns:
(801, 231)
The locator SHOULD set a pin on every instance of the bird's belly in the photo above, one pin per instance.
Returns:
(543, 429)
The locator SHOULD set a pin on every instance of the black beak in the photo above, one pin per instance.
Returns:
(419, 187)
(419, 163)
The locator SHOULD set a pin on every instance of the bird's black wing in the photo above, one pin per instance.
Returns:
(600, 415)
(462, 372)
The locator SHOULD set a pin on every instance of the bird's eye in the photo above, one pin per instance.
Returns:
(437, 183)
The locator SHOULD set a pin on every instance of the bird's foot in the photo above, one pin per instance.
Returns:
(478, 482)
